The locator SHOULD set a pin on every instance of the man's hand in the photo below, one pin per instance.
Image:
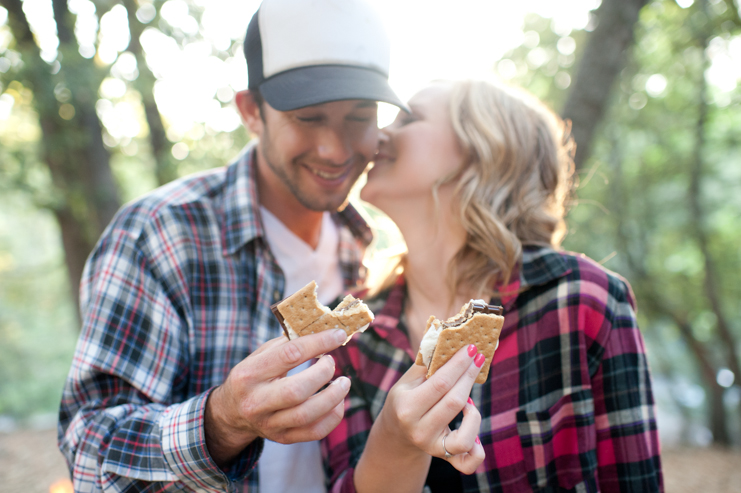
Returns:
(258, 400)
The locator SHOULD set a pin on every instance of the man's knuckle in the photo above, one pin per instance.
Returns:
(319, 431)
(291, 354)
(301, 417)
(248, 409)
(280, 438)
(291, 393)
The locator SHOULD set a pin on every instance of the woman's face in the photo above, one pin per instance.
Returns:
(415, 151)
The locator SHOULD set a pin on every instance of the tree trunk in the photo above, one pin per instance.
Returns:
(78, 162)
(165, 168)
(717, 408)
(711, 283)
(603, 59)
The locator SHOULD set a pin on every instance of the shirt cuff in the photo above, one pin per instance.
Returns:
(184, 447)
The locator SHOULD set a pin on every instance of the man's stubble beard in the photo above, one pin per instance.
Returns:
(311, 203)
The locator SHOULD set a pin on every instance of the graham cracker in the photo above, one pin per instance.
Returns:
(302, 308)
(303, 313)
(346, 301)
(325, 322)
(355, 318)
(349, 322)
(482, 330)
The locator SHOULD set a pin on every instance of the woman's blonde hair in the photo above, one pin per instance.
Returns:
(511, 189)
(513, 186)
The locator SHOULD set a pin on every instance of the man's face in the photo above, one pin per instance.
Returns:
(315, 154)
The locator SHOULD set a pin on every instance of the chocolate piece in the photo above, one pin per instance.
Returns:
(484, 308)
(279, 316)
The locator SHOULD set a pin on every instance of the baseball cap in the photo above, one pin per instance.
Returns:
(305, 52)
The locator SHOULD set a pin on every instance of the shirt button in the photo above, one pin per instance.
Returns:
(276, 296)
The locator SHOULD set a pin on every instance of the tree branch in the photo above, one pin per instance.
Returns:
(602, 61)
(697, 215)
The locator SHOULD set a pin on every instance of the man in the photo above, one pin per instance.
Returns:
(176, 383)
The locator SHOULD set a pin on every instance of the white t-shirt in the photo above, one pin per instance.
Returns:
(298, 467)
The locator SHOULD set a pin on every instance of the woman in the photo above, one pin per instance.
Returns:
(477, 178)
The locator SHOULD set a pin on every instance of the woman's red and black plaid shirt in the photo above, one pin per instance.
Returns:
(568, 404)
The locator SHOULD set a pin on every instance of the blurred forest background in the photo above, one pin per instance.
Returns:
(652, 88)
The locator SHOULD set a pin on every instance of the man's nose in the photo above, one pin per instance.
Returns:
(384, 135)
(334, 146)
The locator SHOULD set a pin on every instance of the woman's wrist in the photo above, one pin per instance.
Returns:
(389, 456)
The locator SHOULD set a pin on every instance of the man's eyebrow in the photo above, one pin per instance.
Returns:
(367, 104)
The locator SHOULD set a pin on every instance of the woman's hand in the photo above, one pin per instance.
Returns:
(417, 412)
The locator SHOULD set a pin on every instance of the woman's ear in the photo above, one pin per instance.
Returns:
(250, 111)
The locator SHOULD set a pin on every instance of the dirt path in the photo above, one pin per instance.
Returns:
(31, 463)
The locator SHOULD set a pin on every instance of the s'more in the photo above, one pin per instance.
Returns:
(477, 323)
(301, 314)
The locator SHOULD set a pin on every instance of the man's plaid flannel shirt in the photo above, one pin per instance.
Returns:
(176, 293)
(568, 403)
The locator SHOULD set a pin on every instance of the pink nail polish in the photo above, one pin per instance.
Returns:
(479, 360)
(477, 440)
(470, 401)
(472, 350)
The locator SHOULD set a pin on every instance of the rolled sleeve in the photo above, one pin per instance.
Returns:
(126, 421)
(184, 449)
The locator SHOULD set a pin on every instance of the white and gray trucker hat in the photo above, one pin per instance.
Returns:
(305, 52)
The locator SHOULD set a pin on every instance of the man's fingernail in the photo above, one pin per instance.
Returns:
(477, 440)
(470, 401)
(479, 360)
(339, 335)
(472, 350)
(343, 382)
(330, 359)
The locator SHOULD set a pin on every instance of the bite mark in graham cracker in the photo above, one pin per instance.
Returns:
(481, 330)
(302, 307)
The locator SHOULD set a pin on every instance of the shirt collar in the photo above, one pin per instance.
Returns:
(539, 266)
(241, 217)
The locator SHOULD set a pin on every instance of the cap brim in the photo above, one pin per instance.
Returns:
(307, 86)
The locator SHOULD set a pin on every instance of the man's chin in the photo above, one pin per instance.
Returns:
(321, 204)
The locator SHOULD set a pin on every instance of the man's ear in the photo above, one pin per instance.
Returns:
(250, 111)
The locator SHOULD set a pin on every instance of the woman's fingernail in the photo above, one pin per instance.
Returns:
(470, 401)
(477, 440)
(472, 350)
(479, 360)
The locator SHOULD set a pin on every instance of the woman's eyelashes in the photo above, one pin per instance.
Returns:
(408, 118)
